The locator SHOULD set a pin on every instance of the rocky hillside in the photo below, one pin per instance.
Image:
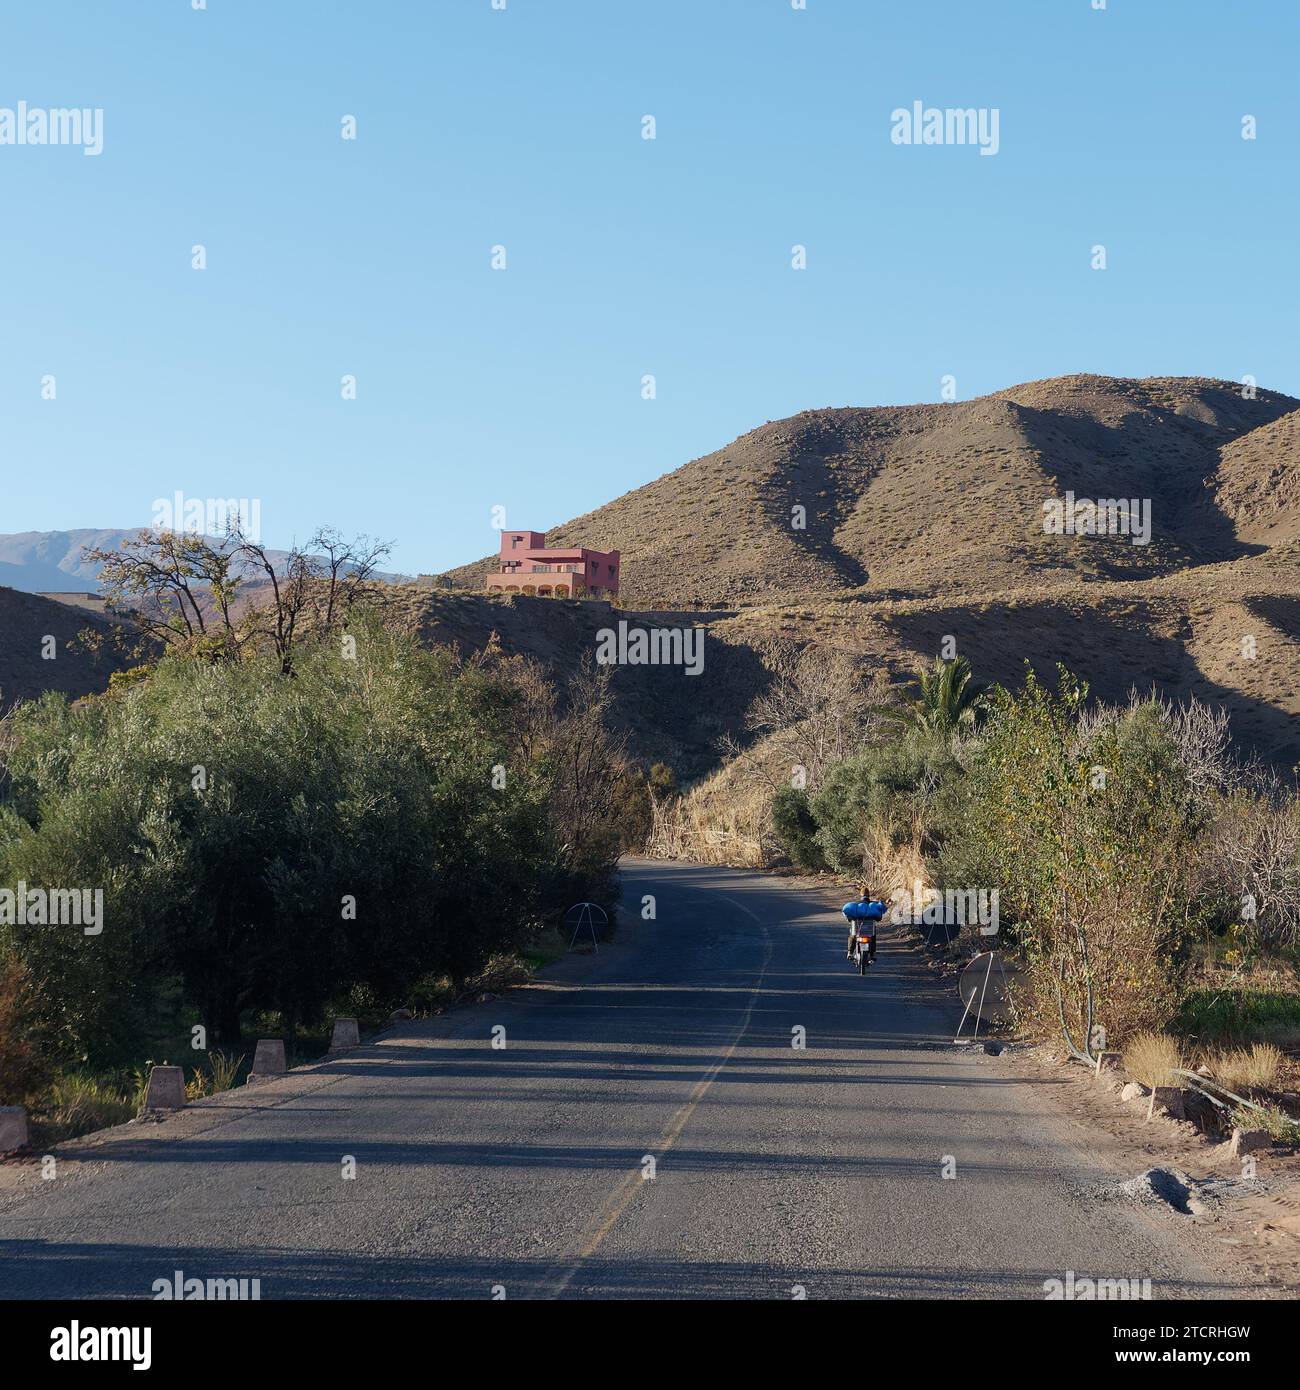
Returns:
(949, 499)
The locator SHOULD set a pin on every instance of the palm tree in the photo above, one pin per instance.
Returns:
(950, 701)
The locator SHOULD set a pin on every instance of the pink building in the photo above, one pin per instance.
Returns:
(528, 567)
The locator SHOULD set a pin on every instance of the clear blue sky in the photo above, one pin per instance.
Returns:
(625, 257)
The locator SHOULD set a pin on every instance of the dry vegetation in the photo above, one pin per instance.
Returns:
(1152, 1059)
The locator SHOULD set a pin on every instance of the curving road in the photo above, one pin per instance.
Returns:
(520, 1169)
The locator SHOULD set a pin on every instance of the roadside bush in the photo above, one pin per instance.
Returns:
(26, 1067)
(882, 799)
(1090, 843)
(266, 841)
(792, 820)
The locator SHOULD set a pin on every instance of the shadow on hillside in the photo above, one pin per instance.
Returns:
(1169, 466)
(1113, 647)
(669, 716)
(806, 481)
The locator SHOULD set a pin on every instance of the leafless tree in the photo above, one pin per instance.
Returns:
(1200, 734)
(1253, 857)
(313, 589)
(819, 703)
(183, 590)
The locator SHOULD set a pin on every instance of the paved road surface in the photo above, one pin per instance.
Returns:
(522, 1168)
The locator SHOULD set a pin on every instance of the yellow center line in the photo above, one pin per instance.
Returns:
(632, 1184)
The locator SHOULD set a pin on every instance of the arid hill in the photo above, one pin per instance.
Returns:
(31, 664)
(948, 499)
(923, 523)
(927, 522)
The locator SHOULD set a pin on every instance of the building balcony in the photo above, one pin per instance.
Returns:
(558, 583)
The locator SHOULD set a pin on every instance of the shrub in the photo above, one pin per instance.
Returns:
(792, 820)
(1251, 860)
(1151, 1058)
(1090, 845)
(265, 842)
(1247, 1069)
(25, 1063)
(882, 798)
(1271, 1118)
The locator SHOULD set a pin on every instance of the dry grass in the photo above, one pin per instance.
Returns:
(726, 819)
(79, 1105)
(222, 1076)
(1151, 1058)
(1247, 1069)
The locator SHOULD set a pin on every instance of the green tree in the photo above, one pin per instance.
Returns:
(949, 700)
(796, 828)
(265, 841)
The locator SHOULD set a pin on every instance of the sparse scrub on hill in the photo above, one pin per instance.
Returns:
(820, 705)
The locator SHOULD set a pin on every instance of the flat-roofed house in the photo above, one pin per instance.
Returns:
(528, 567)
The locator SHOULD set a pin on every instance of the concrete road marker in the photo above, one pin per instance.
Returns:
(13, 1128)
(166, 1089)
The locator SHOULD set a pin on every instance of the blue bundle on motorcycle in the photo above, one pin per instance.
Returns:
(871, 911)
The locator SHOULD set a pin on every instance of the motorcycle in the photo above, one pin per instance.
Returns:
(864, 951)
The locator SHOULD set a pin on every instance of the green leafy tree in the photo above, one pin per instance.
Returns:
(796, 828)
(1090, 841)
(267, 841)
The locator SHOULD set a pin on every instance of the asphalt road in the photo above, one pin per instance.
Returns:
(521, 1169)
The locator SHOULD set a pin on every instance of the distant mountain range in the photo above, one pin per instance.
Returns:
(44, 562)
